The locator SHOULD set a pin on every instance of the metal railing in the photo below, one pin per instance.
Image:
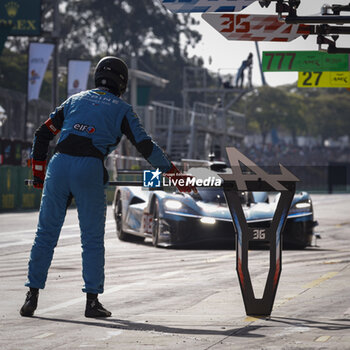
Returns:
(191, 133)
(182, 133)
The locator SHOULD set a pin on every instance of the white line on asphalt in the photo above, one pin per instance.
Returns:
(221, 258)
(323, 338)
(16, 215)
(287, 298)
(44, 335)
(34, 229)
(28, 241)
(82, 298)
(87, 345)
(110, 334)
(63, 235)
(171, 273)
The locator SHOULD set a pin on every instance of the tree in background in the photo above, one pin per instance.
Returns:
(294, 115)
(145, 29)
(125, 27)
(301, 112)
(91, 29)
(328, 115)
(264, 108)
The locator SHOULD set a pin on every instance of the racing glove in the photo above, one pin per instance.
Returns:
(180, 179)
(38, 168)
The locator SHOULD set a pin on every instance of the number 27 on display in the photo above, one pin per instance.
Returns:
(310, 78)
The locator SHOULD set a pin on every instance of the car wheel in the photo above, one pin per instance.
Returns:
(155, 223)
(118, 214)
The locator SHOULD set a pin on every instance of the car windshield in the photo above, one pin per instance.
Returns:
(212, 195)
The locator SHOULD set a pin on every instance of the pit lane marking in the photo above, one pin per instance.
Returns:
(221, 258)
(83, 298)
(110, 334)
(342, 224)
(336, 261)
(255, 318)
(287, 298)
(323, 278)
(34, 229)
(64, 234)
(323, 338)
(172, 273)
(44, 335)
(347, 312)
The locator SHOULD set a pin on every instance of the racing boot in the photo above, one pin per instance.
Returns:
(31, 302)
(94, 308)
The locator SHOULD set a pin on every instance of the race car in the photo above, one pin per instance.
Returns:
(174, 219)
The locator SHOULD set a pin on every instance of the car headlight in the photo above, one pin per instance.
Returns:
(207, 220)
(173, 204)
(303, 205)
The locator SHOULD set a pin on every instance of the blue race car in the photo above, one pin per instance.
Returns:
(175, 219)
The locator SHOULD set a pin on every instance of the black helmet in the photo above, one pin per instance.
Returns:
(112, 72)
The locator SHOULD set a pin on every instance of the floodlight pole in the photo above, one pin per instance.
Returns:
(260, 64)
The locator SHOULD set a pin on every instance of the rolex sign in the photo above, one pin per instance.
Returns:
(23, 15)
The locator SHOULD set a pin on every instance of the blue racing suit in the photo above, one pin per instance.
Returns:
(91, 124)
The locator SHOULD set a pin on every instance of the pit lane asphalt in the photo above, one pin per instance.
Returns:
(179, 299)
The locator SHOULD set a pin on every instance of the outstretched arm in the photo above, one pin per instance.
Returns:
(135, 132)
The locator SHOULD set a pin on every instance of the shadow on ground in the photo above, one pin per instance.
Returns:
(114, 323)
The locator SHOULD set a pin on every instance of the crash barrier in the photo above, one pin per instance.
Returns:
(333, 178)
(14, 155)
(14, 152)
(338, 175)
(13, 195)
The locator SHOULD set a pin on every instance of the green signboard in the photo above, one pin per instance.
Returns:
(304, 61)
(23, 15)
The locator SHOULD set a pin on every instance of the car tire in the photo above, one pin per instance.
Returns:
(118, 215)
(155, 223)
